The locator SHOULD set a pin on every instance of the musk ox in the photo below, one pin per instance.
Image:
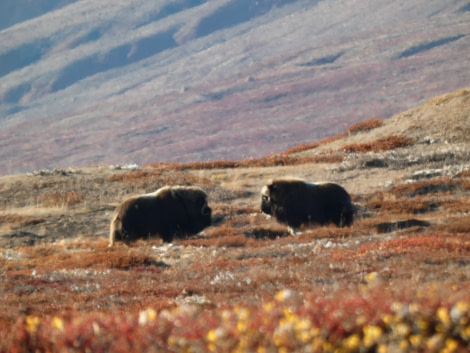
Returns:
(169, 211)
(296, 202)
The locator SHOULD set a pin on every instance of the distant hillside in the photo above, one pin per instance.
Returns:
(87, 82)
(16, 11)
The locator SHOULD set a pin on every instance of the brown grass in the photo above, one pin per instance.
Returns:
(274, 160)
(60, 199)
(158, 177)
(383, 144)
(464, 174)
(441, 185)
(420, 205)
(457, 224)
(302, 147)
(19, 220)
(364, 126)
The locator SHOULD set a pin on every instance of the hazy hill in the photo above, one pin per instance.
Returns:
(85, 82)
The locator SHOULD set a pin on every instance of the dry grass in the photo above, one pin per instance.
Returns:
(441, 186)
(161, 175)
(18, 220)
(60, 199)
(274, 160)
(383, 144)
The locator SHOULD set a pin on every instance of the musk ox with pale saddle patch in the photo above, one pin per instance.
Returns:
(296, 202)
(169, 211)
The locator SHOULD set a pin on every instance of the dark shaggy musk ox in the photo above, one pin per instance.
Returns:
(169, 211)
(296, 202)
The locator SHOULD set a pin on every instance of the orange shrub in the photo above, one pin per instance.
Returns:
(302, 147)
(365, 126)
(383, 144)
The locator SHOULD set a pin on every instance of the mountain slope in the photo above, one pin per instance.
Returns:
(120, 81)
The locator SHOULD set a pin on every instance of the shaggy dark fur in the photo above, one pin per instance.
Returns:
(170, 211)
(296, 203)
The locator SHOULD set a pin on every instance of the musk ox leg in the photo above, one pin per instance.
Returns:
(167, 237)
(347, 218)
(293, 230)
(117, 235)
(114, 232)
(167, 234)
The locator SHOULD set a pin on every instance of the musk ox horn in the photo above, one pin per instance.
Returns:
(169, 211)
(296, 202)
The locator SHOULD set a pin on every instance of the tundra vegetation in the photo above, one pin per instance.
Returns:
(397, 280)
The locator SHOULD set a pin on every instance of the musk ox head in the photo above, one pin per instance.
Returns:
(295, 202)
(170, 211)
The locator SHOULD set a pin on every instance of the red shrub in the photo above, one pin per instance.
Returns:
(365, 126)
(383, 144)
